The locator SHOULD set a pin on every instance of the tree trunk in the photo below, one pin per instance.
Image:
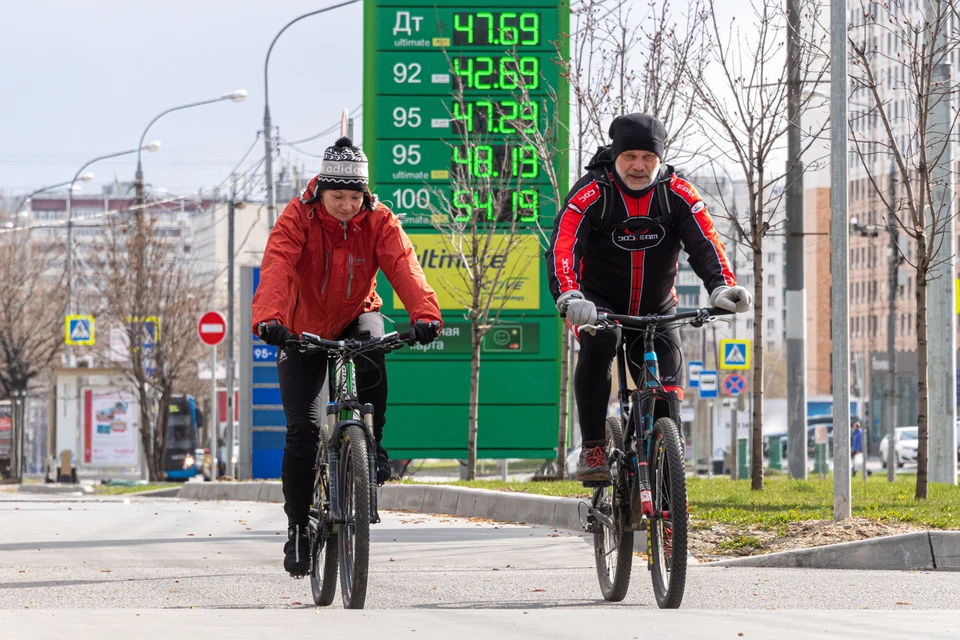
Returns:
(565, 350)
(476, 338)
(154, 471)
(756, 431)
(923, 409)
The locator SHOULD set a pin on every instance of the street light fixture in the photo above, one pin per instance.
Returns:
(86, 177)
(267, 126)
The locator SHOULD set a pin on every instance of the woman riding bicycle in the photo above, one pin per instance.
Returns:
(319, 275)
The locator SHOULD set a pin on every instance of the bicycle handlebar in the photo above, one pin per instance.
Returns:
(387, 342)
(697, 317)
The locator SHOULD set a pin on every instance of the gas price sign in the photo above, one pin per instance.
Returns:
(440, 73)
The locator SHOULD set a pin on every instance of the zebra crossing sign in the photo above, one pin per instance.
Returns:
(79, 330)
(734, 354)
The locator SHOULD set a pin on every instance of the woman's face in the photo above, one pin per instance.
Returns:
(342, 205)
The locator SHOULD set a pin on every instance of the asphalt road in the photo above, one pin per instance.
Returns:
(142, 554)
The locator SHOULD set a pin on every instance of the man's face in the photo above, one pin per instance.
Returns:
(637, 168)
(342, 205)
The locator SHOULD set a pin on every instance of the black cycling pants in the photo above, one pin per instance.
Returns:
(594, 373)
(301, 381)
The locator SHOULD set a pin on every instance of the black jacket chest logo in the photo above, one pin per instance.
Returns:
(638, 234)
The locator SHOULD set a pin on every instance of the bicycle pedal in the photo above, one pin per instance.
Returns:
(596, 484)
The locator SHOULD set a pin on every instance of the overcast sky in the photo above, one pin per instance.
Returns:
(82, 79)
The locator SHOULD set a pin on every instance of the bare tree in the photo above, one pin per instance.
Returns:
(898, 58)
(743, 92)
(149, 292)
(32, 304)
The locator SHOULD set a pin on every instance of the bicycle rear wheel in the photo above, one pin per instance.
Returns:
(354, 534)
(323, 543)
(613, 545)
(668, 528)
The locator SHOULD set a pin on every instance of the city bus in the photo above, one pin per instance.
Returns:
(184, 422)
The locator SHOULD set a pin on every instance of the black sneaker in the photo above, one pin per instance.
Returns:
(383, 465)
(592, 466)
(296, 551)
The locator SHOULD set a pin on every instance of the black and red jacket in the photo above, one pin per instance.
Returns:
(629, 255)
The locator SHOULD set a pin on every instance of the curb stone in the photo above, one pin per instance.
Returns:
(922, 550)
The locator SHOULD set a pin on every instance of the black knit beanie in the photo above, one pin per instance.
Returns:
(637, 132)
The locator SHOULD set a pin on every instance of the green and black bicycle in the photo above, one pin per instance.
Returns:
(344, 501)
(646, 456)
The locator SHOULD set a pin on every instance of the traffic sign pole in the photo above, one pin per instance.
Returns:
(212, 418)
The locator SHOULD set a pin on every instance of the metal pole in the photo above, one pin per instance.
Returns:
(894, 262)
(70, 359)
(734, 418)
(839, 255)
(267, 124)
(212, 421)
(941, 314)
(795, 276)
(231, 260)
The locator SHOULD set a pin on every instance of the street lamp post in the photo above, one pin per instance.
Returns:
(267, 124)
(153, 146)
(87, 177)
(236, 96)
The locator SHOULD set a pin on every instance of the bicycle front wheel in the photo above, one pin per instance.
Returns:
(668, 527)
(354, 534)
(612, 541)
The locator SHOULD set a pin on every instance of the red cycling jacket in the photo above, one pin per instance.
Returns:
(319, 274)
(630, 258)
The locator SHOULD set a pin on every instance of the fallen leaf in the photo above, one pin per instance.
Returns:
(296, 602)
(903, 603)
(190, 535)
(740, 633)
(392, 560)
(109, 570)
(538, 590)
(495, 569)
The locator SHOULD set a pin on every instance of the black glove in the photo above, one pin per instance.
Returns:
(424, 332)
(275, 334)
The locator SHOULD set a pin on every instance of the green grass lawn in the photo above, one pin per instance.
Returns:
(115, 490)
(783, 500)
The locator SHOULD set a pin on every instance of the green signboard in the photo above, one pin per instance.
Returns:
(449, 88)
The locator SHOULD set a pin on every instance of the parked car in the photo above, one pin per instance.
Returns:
(812, 423)
(905, 449)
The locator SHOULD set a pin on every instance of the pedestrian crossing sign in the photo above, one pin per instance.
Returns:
(79, 331)
(734, 354)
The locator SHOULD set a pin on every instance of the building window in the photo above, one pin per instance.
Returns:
(770, 344)
(772, 280)
(771, 258)
(771, 301)
(749, 324)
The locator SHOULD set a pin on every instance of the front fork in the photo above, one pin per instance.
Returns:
(334, 446)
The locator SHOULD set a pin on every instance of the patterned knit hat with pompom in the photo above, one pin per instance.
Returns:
(344, 167)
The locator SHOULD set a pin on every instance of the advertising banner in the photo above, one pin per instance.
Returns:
(110, 424)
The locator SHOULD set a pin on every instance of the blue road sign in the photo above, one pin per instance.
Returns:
(694, 367)
(80, 330)
(734, 384)
(734, 354)
(708, 384)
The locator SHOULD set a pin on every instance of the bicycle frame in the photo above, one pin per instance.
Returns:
(342, 382)
(637, 410)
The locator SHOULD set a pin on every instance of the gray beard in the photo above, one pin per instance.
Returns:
(646, 183)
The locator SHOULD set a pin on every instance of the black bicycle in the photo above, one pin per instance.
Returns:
(344, 501)
(645, 447)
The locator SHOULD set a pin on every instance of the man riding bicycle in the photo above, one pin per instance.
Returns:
(615, 247)
(319, 275)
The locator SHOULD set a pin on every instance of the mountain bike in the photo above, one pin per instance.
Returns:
(639, 447)
(344, 501)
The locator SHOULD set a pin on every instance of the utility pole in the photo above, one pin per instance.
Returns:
(941, 315)
(795, 276)
(231, 261)
(839, 258)
(893, 265)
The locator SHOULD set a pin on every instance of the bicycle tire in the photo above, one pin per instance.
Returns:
(613, 549)
(353, 536)
(668, 537)
(323, 545)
